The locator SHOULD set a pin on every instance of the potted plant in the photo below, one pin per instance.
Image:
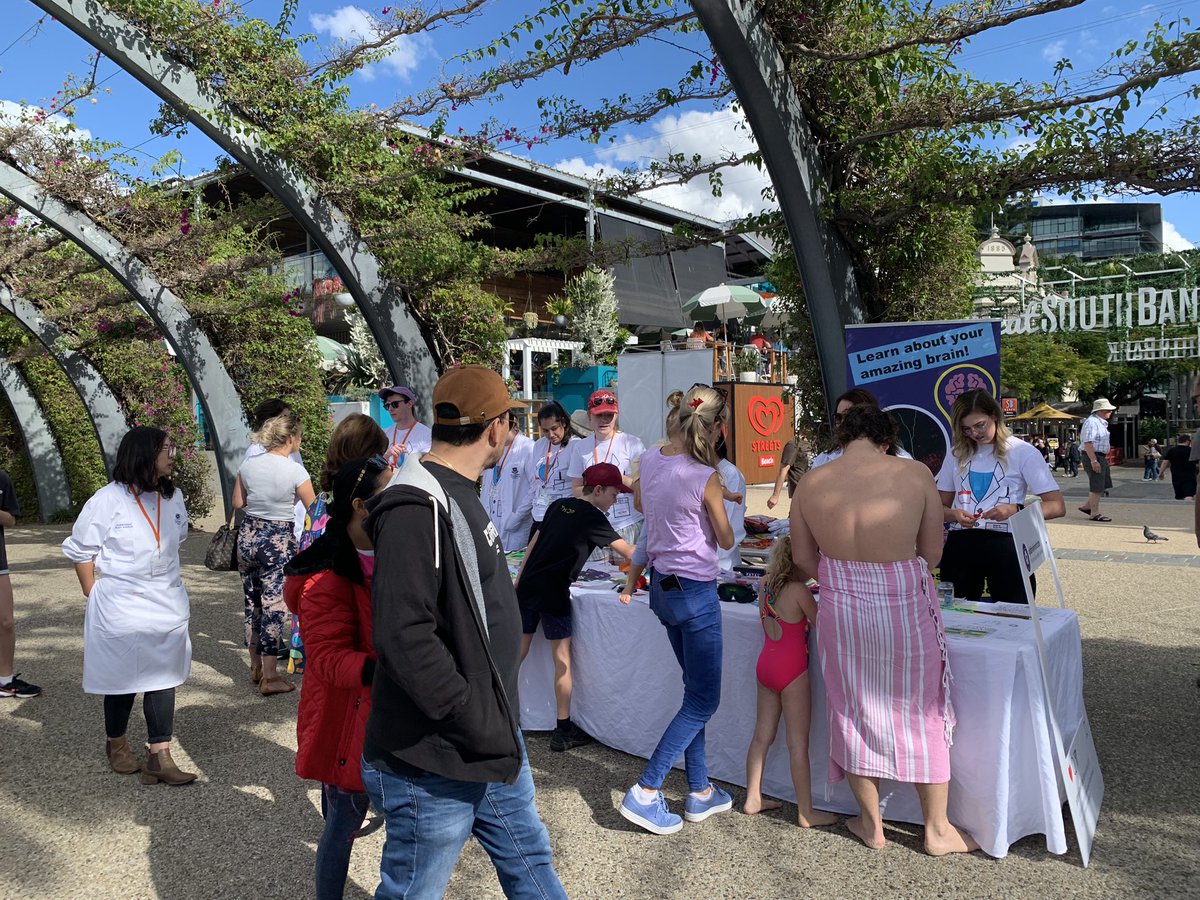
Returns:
(559, 309)
(745, 364)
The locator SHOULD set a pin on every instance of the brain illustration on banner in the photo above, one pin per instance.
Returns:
(956, 381)
(958, 384)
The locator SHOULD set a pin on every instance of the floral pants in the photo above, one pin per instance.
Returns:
(264, 547)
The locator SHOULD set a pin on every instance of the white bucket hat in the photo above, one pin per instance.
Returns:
(1101, 405)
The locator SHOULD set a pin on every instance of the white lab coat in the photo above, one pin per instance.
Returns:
(546, 474)
(505, 493)
(135, 627)
(735, 482)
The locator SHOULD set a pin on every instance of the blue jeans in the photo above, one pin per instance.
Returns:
(429, 819)
(344, 812)
(692, 617)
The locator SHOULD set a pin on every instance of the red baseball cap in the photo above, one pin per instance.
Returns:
(602, 401)
(605, 475)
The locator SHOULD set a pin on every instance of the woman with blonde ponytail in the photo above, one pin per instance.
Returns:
(680, 495)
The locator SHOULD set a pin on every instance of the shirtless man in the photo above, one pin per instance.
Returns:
(870, 525)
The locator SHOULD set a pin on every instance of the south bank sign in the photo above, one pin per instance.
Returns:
(1147, 307)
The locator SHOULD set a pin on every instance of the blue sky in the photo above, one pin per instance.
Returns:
(33, 62)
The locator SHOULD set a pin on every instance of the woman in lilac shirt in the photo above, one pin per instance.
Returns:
(679, 493)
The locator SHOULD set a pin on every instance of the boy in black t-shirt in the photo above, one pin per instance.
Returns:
(571, 529)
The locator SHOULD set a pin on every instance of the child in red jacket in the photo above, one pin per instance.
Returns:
(329, 587)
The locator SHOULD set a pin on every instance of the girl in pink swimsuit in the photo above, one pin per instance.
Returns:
(786, 607)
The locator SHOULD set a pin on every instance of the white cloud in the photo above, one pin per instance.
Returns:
(352, 25)
(1053, 51)
(1173, 240)
(713, 135)
(15, 113)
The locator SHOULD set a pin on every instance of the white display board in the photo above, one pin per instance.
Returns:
(645, 378)
(1078, 765)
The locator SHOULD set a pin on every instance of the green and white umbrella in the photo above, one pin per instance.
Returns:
(332, 353)
(725, 302)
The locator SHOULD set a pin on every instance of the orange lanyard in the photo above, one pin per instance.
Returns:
(154, 526)
(403, 441)
(596, 446)
(547, 467)
(498, 469)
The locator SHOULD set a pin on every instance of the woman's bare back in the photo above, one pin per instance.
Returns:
(869, 507)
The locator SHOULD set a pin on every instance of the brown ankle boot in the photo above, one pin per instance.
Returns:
(120, 757)
(160, 767)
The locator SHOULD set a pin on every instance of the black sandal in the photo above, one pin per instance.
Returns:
(1100, 518)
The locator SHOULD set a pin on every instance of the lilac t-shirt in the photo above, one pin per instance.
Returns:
(677, 533)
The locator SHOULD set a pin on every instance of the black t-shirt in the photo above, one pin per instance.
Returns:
(570, 531)
(1182, 467)
(10, 504)
(499, 597)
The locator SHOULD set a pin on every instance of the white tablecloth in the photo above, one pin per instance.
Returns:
(1005, 783)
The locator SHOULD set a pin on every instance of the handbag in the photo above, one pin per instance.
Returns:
(222, 552)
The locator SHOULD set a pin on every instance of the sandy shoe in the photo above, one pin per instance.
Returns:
(121, 758)
(160, 767)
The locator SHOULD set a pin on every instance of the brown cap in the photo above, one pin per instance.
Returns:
(476, 392)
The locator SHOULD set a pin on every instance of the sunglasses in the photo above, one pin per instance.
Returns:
(597, 402)
(396, 404)
(380, 464)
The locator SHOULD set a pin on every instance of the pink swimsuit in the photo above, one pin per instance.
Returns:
(783, 661)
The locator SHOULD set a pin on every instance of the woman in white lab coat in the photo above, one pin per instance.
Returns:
(546, 469)
(125, 546)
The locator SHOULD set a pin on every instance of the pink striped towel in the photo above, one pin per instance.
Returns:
(883, 659)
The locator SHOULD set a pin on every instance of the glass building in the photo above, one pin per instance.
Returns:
(1092, 231)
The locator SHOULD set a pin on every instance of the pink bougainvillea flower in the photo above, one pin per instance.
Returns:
(185, 228)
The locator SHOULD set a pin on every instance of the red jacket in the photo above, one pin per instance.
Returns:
(335, 617)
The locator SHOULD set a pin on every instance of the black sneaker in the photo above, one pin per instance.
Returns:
(19, 689)
(571, 736)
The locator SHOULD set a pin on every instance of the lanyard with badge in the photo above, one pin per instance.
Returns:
(542, 501)
(623, 508)
(400, 448)
(497, 472)
(158, 565)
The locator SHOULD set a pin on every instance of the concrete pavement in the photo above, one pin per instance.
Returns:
(248, 828)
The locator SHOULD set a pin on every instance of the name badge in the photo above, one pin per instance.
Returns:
(540, 505)
(158, 564)
(623, 508)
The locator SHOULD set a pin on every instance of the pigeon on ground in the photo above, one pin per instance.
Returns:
(1151, 536)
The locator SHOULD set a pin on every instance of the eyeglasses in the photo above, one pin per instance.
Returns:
(597, 402)
(396, 404)
(170, 450)
(978, 428)
(380, 464)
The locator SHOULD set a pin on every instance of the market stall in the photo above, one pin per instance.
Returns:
(1004, 787)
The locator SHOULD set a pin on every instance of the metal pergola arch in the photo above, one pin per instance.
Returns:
(403, 346)
(99, 402)
(214, 388)
(756, 70)
(49, 473)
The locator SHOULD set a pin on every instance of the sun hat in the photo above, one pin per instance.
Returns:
(478, 394)
(1101, 405)
(605, 475)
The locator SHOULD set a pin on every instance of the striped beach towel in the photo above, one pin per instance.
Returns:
(883, 659)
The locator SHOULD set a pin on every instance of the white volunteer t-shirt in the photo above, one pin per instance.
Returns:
(403, 440)
(621, 450)
(986, 482)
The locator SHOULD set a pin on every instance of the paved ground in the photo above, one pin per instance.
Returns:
(70, 828)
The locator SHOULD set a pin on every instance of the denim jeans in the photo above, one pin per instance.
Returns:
(344, 812)
(692, 617)
(429, 819)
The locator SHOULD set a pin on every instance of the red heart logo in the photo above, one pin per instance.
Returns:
(766, 416)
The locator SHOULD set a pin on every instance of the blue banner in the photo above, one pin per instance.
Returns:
(918, 369)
